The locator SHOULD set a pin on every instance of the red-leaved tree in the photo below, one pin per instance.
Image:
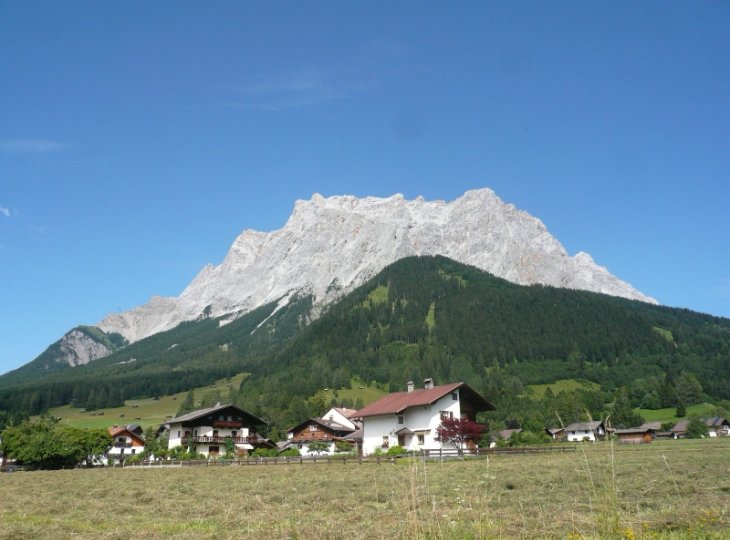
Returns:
(459, 431)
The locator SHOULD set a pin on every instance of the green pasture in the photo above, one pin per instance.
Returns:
(145, 412)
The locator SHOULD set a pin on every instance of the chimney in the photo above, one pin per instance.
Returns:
(428, 383)
(410, 386)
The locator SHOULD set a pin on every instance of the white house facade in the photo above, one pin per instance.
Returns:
(127, 441)
(410, 419)
(585, 431)
(717, 427)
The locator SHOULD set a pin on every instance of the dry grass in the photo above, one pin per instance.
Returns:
(674, 489)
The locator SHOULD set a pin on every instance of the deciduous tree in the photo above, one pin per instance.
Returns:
(459, 431)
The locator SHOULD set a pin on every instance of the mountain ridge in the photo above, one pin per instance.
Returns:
(330, 245)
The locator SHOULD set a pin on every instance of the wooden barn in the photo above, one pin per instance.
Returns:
(639, 435)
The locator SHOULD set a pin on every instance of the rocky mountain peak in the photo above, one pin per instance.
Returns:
(330, 245)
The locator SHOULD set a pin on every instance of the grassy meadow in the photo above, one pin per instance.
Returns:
(668, 414)
(145, 412)
(153, 412)
(669, 489)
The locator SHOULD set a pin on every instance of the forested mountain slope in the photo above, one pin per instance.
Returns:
(433, 317)
(192, 354)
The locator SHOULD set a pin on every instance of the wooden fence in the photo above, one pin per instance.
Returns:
(441, 454)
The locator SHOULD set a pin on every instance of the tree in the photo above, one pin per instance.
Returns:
(316, 447)
(622, 414)
(43, 444)
(459, 431)
(689, 389)
(681, 409)
(696, 428)
(188, 404)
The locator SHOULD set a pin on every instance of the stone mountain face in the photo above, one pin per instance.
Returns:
(331, 245)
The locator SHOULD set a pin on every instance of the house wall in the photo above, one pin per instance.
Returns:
(125, 446)
(306, 433)
(580, 435)
(634, 438)
(177, 433)
(423, 419)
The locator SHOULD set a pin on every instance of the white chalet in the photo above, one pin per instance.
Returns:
(585, 431)
(410, 419)
(333, 426)
(208, 430)
(127, 441)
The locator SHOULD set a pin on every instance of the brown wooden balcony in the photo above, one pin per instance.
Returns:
(218, 439)
(228, 424)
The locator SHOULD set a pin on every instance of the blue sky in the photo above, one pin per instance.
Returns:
(138, 139)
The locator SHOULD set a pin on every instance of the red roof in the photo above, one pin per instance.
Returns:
(400, 401)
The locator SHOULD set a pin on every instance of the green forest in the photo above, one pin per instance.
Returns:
(422, 317)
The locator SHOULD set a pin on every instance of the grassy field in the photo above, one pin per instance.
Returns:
(667, 415)
(358, 389)
(669, 489)
(145, 412)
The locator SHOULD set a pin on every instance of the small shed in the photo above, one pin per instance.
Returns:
(638, 435)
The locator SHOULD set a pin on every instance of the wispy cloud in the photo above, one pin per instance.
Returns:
(372, 65)
(31, 146)
(302, 87)
(5, 211)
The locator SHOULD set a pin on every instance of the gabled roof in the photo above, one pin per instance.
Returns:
(328, 424)
(681, 426)
(400, 401)
(507, 433)
(194, 415)
(629, 431)
(347, 413)
(716, 421)
(354, 436)
(584, 426)
(115, 431)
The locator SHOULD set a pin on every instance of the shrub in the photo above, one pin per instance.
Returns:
(396, 451)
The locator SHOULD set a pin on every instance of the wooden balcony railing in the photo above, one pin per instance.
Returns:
(227, 424)
(218, 439)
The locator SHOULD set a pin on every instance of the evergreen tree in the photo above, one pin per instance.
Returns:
(188, 404)
(681, 410)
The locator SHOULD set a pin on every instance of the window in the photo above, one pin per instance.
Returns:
(385, 441)
(312, 427)
(446, 414)
(454, 396)
(178, 434)
(234, 433)
(421, 439)
(400, 418)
